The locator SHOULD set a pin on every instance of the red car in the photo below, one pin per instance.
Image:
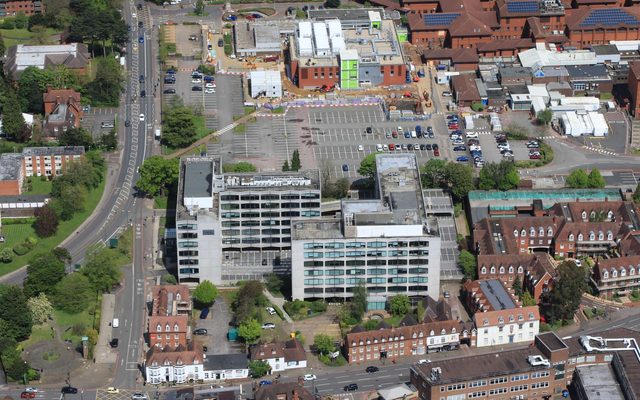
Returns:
(534, 156)
(436, 152)
(27, 395)
(392, 147)
(454, 127)
(394, 134)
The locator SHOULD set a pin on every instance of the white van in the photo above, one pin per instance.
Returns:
(115, 323)
(378, 147)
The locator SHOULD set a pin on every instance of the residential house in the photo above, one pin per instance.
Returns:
(62, 111)
(283, 391)
(498, 316)
(168, 330)
(74, 56)
(391, 343)
(179, 364)
(280, 356)
(616, 276)
(439, 310)
(171, 300)
(226, 366)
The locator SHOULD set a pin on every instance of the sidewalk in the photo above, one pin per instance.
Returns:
(278, 301)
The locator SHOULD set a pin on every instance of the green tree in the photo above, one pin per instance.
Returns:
(70, 201)
(368, 167)
(460, 180)
(434, 174)
(3, 47)
(179, 128)
(358, 305)
(259, 368)
(205, 293)
(274, 283)
(285, 166)
(324, 344)
(199, 7)
(109, 141)
(527, 299)
(105, 89)
(14, 310)
(250, 330)
(43, 273)
(40, 308)
(544, 116)
(46, 223)
(13, 122)
(62, 254)
(6, 255)
(399, 305)
(577, 179)
(76, 137)
(567, 293)
(73, 293)
(157, 174)
(101, 270)
(595, 179)
(467, 262)
(295, 161)
(169, 279)
(332, 4)
(517, 286)
(241, 166)
(501, 176)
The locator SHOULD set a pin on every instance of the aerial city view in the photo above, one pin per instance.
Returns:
(320, 200)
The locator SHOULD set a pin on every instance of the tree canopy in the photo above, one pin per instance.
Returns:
(73, 293)
(324, 344)
(544, 116)
(105, 89)
(205, 293)
(458, 178)
(43, 273)
(501, 176)
(368, 167)
(595, 179)
(566, 295)
(399, 305)
(157, 174)
(241, 166)
(259, 368)
(179, 128)
(468, 263)
(14, 310)
(578, 179)
(250, 330)
(101, 270)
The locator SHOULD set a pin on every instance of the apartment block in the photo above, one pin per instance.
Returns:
(237, 226)
(499, 316)
(387, 244)
(542, 371)
(49, 161)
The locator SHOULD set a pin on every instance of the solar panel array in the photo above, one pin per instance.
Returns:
(609, 17)
(522, 6)
(440, 19)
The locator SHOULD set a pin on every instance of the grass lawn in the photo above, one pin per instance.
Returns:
(84, 319)
(240, 129)
(16, 233)
(39, 333)
(65, 229)
(394, 321)
(229, 295)
(38, 186)
(201, 130)
(21, 36)
(160, 202)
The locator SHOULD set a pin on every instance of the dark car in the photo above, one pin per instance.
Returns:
(200, 331)
(423, 146)
(351, 387)
(371, 369)
(143, 93)
(429, 147)
(113, 343)
(435, 147)
(220, 43)
(208, 78)
(127, 123)
(345, 167)
(141, 80)
(170, 81)
(69, 390)
(196, 88)
(204, 313)
(141, 39)
(209, 47)
(169, 91)
(369, 130)
(462, 159)
(460, 148)
(205, 348)
(139, 6)
(409, 146)
(140, 24)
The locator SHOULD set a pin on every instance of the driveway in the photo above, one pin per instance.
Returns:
(217, 326)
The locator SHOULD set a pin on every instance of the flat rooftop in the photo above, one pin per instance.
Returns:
(10, 166)
(320, 228)
(600, 382)
(551, 341)
(53, 150)
(198, 177)
(351, 14)
(496, 295)
(399, 186)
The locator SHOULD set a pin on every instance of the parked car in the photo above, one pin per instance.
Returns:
(113, 343)
(196, 88)
(360, 147)
(270, 310)
(535, 156)
(533, 145)
(309, 377)
(28, 395)
(446, 93)
(436, 152)
(452, 116)
(169, 91)
(345, 167)
(394, 134)
(265, 382)
(369, 129)
(460, 148)
(371, 369)
(392, 147)
(141, 39)
(407, 135)
(269, 325)
(424, 361)
(31, 389)
(204, 313)
(472, 134)
(139, 396)
(429, 147)
(409, 146)
(423, 146)
(462, 159)
(200, 331)
(112, 390)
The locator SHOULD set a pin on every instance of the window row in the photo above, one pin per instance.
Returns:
(269, 196)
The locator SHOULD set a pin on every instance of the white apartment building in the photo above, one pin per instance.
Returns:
(388, 245)
(237, 226)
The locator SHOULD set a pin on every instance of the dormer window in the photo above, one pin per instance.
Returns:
(532, 231)
(584, 215)
(523, 233)
(415, 335)
(580, 237)
(623, 272)
(432, 333)
(511, 269)
(484, 269)
(531, 316)
(520, 269)
(453, 330)
(167, 328)
(493, 269)
(500, 320)
(420, 334)
(166, 362)
(592, 236)
(511, 319)
(614, 273)
(609, 235)
(571, 238)
(485, 322)
(549, 231)
(610, 215)
(501, 269)
(605, 275)
(176, 328)
(353, 344)
(592, 215)
(600, 235)
(178, 297)
(520, 317)
(541, 231)
(515, 232)
(632, 271)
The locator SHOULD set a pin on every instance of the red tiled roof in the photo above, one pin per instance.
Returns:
(162, 294)
(290, 350)
(189, 355)
(465, 87)
(506, 44)
(406, 331)
(457, 56)
(529, 313)
(181, 321)
(618, 264)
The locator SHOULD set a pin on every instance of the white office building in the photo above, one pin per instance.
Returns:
(388, 245)
(237, 226)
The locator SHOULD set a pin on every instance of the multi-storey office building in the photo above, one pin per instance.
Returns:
(237, 226)
(388, 244)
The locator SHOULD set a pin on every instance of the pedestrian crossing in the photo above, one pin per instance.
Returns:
(599, 150)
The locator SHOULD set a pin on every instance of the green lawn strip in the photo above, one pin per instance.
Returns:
(160, 202)
(65, 229)
(38, 185)
(85, 320)
(201, 129)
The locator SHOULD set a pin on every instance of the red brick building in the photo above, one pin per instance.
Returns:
(634, 87)
(588, 26)
(26, 7)
(62, 110)
(171, 300)
(49, 161)
(168, 330)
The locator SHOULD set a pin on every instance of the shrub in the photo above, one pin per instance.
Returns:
(477, 107)
(335, 362)
(21, 249)
(318, 306)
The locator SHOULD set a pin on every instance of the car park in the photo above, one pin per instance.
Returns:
(209, 91)
(345, 167)
(392, 147)
(472, 142)
(423, 146)
(268, 325)
(452, 116)
(428, 146)
(418, 129)
(378, 147)
(403, 146)
(384, 148)
(407, 135)
(535, 156)
(472, 134)
(209, 85)
(416, 146)
(169, 81)
(107, 125)
(200, 331)
(309, 377)
(533, 145)
(414, 134)
(394, 134)
(371, 369)
(455, 137)
(409, 146)
(436, 152)
(360, 147)
(196, 80)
